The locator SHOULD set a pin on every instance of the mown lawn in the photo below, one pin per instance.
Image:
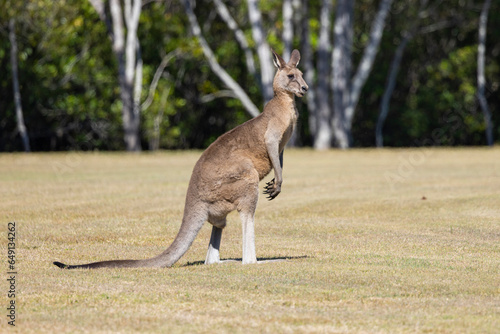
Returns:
(377, 241)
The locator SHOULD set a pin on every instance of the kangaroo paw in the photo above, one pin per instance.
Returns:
(272, 190)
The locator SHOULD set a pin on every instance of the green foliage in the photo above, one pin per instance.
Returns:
(70, 94)
(66, 76)
(434, 102)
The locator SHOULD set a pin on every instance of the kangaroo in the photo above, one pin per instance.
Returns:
(227, 175)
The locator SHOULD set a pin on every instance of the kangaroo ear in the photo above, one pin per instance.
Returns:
(277, 60)
(294, 58)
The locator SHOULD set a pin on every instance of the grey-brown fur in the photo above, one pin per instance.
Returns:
(227, 175)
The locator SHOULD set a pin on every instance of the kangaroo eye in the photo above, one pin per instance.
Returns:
(290, 76)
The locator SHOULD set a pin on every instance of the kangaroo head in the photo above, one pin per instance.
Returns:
(289, 77)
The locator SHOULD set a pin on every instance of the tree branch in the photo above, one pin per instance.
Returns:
(214, 65)
(154, 83)
(222, 93)
(101, 11)
(239, 34)
(366, 64)
(99, 8)
(389, 88)
(408, 35)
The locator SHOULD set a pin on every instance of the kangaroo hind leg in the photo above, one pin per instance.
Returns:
(246, 210)
(214, 246)
(247, 221)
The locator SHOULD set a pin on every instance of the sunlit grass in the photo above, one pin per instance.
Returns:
(378, 241)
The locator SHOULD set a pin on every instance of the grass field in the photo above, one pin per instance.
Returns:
(377, 241)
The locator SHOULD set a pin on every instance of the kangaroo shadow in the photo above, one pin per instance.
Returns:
(259, 260)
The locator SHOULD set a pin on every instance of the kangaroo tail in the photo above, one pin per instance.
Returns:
(103, 264)
(194, 217)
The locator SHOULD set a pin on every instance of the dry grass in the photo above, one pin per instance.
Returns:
(367, 253)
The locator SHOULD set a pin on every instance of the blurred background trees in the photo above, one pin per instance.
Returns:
(381, 73)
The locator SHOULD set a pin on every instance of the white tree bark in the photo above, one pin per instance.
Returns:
(263, 50)
(99, 8)
(323, 137)
(287, 36)
(138, 82)
(341, 65)
(132, 13)
(346, 92)
(366, 64)
(307, 55)
(214, 65)
(481, 81)
(116, 15)
(287, 29)
(133, 76)
(127, 51)
(21, 127)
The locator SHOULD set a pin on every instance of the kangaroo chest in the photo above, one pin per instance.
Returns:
(292, 121)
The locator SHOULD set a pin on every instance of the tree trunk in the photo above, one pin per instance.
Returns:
(15, 84)
(389, 88)
(133, 76)
(138, 87)
(263, 51)
(287, 28)
(481, 81)
(288, 18)
(346, 92)
(366, 64)
(127, 51)
(341, 65)
(307, 55)
(214, 65)
(323, 135)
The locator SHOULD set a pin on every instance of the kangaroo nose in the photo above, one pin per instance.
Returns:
(304, 88)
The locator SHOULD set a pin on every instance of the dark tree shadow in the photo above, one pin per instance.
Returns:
(259, 259)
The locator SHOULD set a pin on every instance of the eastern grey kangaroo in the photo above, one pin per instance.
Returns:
(227, 175)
